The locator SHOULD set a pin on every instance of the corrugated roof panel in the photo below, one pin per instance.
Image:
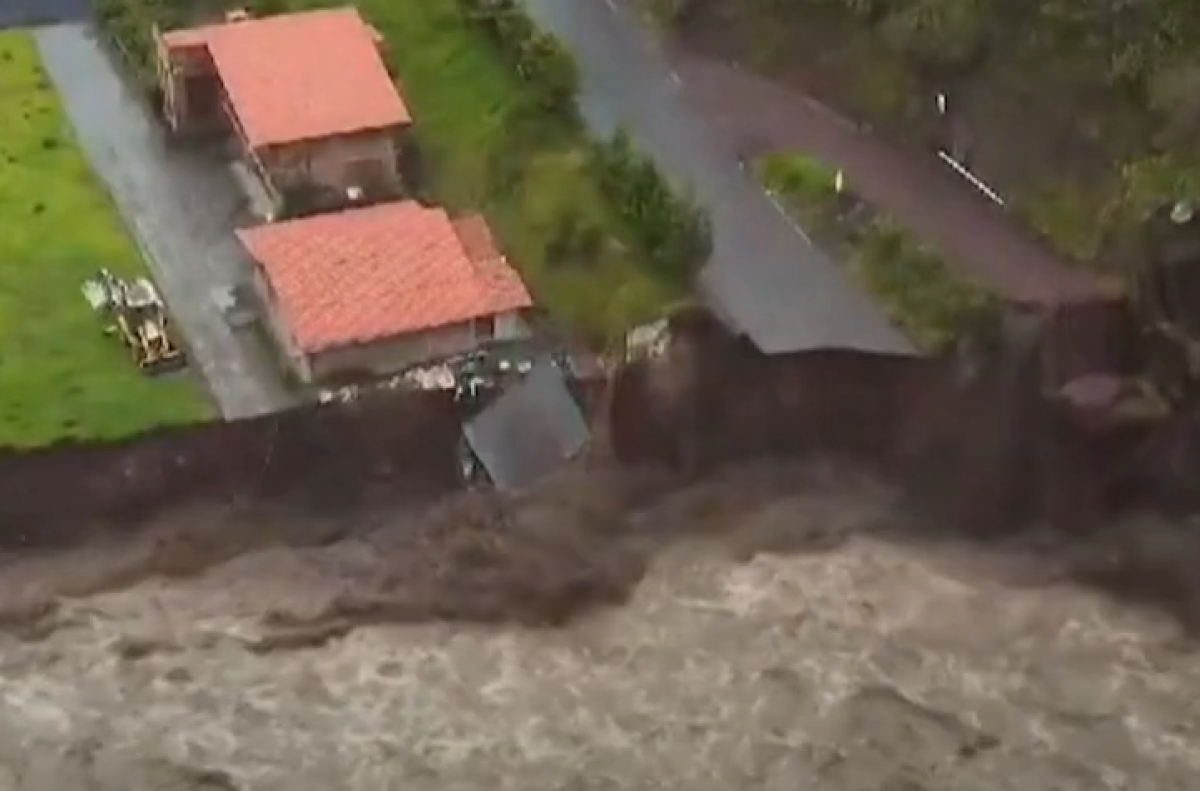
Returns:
(529, 430)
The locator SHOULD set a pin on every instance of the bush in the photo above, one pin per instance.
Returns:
(805, 178)
(129, 24)
(674, 233)
(540, 59)
(931, 303)
(939, 34)
(1067, 218)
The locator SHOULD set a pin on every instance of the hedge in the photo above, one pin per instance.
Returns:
(674, 233)
(540, 59)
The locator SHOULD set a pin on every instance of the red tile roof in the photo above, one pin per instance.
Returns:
(367, 274)
(300, 76)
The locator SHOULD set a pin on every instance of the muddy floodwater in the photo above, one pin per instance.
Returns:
(781, 639)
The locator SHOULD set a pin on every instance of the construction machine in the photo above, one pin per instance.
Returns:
(136, 314)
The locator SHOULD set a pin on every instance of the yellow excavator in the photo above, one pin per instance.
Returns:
(135, 313)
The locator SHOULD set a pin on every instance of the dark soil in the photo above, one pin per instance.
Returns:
(576, 544)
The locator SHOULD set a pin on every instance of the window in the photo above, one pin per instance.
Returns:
(367, 174)
(485, 328)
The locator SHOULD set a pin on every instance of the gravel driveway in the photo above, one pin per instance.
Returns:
(179, 207)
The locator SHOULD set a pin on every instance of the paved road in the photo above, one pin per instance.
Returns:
(28, 13)
(758, 117)
(179, 207)
(764, 276)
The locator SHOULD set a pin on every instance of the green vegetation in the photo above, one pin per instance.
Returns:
(934, 305)
(1065, 101)
(59, 376)
(807, 184)
(672, 233)
(497, 131)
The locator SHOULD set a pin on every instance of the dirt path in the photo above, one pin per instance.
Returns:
(757, 117)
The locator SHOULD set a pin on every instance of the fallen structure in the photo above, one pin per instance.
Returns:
(991, 435)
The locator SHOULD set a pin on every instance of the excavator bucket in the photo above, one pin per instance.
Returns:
(158, 358)
(157, 354)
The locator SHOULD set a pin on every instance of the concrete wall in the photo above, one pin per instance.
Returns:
(511, 327)
(279, 329)
(330, 162)
(388, 357)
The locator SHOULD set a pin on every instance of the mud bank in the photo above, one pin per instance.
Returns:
(971, 437)
(311, 458)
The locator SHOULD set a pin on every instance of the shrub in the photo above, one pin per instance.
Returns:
(805, 178)
(537, 56)
(129, 24)
(674, 233)
(934, 305)
(1066, 217)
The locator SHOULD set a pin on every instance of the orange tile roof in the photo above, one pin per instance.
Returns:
(366, 274)
(301, 76)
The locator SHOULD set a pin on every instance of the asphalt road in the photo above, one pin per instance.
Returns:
(765, 276)
(179, 207)
(28, 13)
(760, 117)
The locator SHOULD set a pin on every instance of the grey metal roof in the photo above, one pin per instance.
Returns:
(529, 430)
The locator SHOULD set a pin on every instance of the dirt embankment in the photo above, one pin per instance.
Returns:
(320, 458)
(345, 491)
(975, 440)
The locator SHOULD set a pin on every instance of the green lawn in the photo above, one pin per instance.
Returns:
(487, 150)
(59, 375)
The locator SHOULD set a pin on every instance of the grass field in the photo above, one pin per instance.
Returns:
(60, 376)
(486, 149)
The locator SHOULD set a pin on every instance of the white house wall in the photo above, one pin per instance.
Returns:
(511, 327)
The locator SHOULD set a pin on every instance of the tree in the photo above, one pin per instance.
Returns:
(1173, 93)
(949, 35)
